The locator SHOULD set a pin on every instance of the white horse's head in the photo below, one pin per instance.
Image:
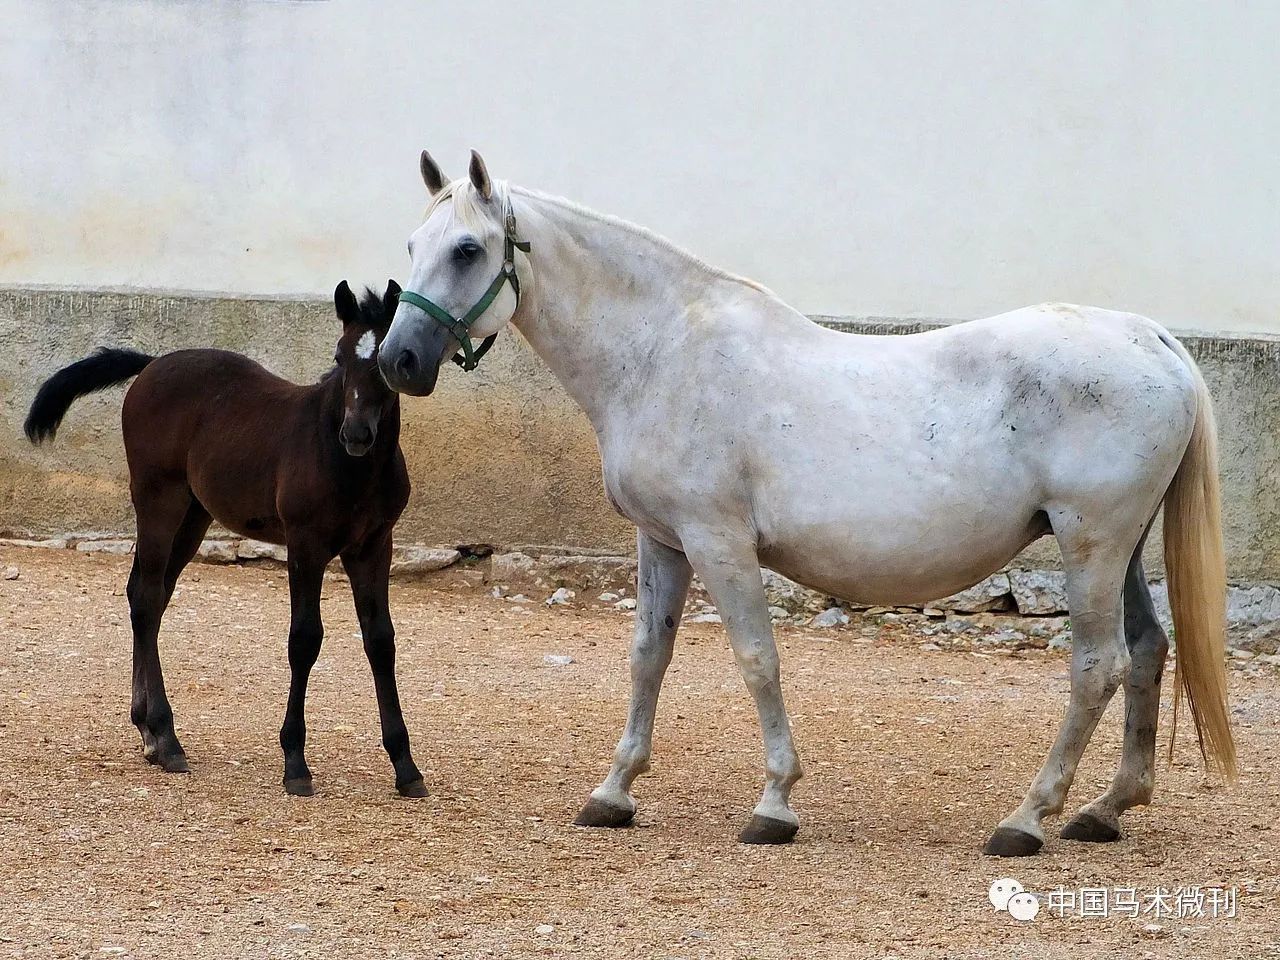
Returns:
(464, 283)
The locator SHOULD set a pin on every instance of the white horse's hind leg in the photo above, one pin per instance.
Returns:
(1099, 660)
(1099, 821)
(662, 579)
(731, 571)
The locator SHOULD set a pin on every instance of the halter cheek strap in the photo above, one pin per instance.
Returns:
(460, 327)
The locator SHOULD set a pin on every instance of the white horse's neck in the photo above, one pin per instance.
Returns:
(606, 294)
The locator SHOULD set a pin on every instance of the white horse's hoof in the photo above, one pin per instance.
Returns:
(1008, 842)
(1088, 828)
(597, 813)
(768, 830)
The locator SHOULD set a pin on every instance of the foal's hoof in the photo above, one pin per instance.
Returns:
(767, 830)
(1089, 829)
(299, 787)
(597, 813)
(416, 789)
(174, 763)
(1008, 842)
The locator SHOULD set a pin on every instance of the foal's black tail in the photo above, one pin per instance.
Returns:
(103, 369)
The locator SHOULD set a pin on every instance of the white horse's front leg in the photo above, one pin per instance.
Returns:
(1099, 660)
(731, 571)
(662, 579)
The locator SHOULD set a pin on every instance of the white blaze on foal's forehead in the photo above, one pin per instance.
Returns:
(366, 345)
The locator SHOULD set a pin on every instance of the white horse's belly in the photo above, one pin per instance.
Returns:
(920, 530)
(920, 563)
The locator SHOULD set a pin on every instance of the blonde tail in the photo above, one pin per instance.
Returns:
(1196, 568)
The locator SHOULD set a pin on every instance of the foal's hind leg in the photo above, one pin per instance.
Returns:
(1098, 663)
(161, 508)
(662, 582)
(369, 567)
(1099, 821)
(185, 544)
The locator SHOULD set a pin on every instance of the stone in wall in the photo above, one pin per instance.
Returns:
(259, 550)
(56, 543)
(217, 551)
(993, 593)
(791, 596)
(1039, 592)
(105, 546)
(572, 570)
(416, 559)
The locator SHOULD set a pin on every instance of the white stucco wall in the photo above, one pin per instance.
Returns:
(928, 159)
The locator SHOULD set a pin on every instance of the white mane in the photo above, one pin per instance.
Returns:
(473, 211)
(635, 229)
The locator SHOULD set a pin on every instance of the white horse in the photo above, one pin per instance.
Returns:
(735, 432)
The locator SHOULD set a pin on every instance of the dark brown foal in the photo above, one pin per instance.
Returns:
(212, 435)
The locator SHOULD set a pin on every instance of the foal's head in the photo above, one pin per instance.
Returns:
(366, 397)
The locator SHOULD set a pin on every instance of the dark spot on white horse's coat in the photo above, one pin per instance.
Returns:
(669, 622)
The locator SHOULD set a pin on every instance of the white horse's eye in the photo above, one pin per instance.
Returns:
(467, 250)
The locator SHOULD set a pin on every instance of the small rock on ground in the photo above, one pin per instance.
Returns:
(832, 617)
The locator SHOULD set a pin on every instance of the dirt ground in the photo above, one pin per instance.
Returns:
(912, 756)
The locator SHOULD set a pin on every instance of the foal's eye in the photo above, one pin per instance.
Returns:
(466, 251)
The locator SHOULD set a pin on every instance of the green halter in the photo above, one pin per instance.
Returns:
(460, 327)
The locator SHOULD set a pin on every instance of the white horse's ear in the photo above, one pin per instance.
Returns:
(431, 175)
(480, 177)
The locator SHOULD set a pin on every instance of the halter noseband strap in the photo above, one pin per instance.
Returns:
(460, 327)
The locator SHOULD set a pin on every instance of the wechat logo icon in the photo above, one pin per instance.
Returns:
(1007, 896)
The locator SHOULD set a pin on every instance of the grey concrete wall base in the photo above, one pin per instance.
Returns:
(499, 456)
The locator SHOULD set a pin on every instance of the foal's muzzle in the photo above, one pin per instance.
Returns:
(357, 440)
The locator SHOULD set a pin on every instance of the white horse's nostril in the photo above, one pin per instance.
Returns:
(406, 363)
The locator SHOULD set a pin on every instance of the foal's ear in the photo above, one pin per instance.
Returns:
(344, 302)
(431, 175)
(391, 298)
(480, 176)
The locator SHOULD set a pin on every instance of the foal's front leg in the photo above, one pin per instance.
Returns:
(306, 632)
(662, 582)
(369, 567)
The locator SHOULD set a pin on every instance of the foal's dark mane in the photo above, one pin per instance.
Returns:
(374, 309)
